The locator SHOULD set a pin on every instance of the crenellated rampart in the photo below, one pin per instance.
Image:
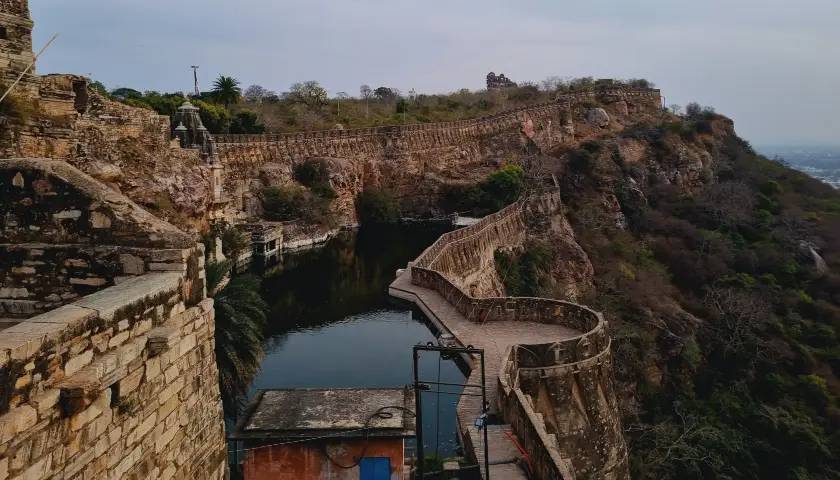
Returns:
(393, 141)
(557, 396)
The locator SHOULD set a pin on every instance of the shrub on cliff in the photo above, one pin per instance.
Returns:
(496, 191)
(525, 273)
(314, 174)
(295, 203)
(216, 272)
(246, 123)
(377, 206)
(503, 187)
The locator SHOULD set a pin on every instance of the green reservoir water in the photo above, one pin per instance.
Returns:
(332, 323)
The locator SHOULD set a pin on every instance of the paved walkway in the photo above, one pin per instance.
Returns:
(494, 338)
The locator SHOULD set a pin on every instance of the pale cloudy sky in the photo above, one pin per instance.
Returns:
(772, 65)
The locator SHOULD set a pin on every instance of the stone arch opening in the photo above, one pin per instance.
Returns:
(81, 101)
(4, 33)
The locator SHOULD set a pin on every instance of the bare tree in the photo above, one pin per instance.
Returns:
(257, 93)
(741, 316)
(675, 108)
(366, 93)
(730, 203)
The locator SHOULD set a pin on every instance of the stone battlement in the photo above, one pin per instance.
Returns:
(107, 364)
(446, 129)
(556, 394)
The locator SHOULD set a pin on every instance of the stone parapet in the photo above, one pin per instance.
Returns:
(558, 396)
(120, 380)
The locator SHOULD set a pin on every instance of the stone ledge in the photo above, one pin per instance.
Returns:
(107, 302)
(162, 339)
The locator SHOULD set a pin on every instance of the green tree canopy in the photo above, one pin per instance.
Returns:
(226, 90)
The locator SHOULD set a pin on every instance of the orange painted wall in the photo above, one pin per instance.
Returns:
(306, 461)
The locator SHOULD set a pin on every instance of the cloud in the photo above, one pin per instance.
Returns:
(771, 64)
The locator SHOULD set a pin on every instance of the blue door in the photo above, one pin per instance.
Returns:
(375, 468)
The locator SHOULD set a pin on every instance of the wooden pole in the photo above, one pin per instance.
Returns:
(28, 68)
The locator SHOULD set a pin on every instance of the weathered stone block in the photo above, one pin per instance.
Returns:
(131, 381)
(171, 373)
(38, 470)
(67, 215)
(118, 339)
(168, 267)
(162, 339)
(71, 317)
(102, 403)
(76, 363)
(46, 400)
(13, 292)
(132, 264)
(187, 344)
(152, 368)
(23, 417)
(169, 255)
(89, 281)
(76, 263)
(19, 307)
(99, 220)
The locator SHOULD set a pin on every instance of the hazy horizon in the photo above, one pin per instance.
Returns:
(766, 64)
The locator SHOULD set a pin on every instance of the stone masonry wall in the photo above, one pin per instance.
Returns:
(120, 383)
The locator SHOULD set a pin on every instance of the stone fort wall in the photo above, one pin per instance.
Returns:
(414, 161)
(238, 151)
(120, 380)
(558, 396)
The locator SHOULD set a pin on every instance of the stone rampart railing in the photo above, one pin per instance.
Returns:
(454, 127)
(425, 272)
(586, 352)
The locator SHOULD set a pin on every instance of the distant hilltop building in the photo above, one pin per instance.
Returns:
(499, 81)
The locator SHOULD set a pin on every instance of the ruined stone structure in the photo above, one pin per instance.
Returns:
(107, 366)
(498, 81)
(129, 148)
(15, 42)
(549, 360)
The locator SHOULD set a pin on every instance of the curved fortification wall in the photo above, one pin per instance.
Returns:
(558, 396)
(551, 123)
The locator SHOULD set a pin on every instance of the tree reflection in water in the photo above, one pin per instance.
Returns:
(311, 289)
(241, 317)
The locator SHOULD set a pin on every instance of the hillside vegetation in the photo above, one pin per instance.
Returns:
(722, 295)
(307, 105)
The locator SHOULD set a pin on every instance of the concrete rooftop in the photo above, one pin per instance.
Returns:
(342, 411)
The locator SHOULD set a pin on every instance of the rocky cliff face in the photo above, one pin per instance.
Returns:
(125, 147)
(416, 162)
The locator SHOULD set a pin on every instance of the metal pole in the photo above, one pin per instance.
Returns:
(25, 71)
(484, 411)
(418, 419)
(195, 78)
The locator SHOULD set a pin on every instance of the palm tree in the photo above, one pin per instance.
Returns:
(241, 318)
(226, 90)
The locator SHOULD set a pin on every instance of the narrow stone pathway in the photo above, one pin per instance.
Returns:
(495, 338)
